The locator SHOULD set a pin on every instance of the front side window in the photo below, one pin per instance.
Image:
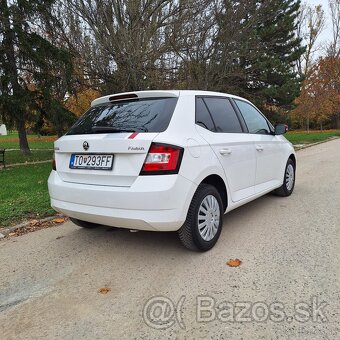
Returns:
(217, 115)
(137, 115)
(255, 122)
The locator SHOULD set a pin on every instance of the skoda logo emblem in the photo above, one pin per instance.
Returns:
(86, 145)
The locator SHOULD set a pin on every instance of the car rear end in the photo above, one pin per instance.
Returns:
(111, 169)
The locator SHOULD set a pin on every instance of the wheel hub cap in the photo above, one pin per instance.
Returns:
(290, 177)
(208, 217)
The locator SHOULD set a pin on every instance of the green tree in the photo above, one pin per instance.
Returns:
(35, 71)
(261, 62)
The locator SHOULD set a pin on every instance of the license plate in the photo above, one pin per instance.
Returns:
(91, 162)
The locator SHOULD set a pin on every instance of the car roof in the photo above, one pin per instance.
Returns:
(159, 93)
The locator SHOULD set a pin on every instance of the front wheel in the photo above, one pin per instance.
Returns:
(288, 181)
(203, 224)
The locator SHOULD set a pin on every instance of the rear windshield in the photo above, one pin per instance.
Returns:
(138, 115)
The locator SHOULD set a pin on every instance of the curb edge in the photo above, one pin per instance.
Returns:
(7, 230)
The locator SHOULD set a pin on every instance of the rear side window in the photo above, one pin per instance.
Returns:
(256, 123)
(203, 116)
(223, 115)
(141, 115)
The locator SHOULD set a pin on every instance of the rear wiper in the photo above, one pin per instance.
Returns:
(110, 129)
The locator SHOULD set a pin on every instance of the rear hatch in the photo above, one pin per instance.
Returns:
(109, 143)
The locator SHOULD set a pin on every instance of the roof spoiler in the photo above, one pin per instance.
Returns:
(134, 95)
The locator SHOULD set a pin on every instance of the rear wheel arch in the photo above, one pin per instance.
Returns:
(204, 220)
(219, 184)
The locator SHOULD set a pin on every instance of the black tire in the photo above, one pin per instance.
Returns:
(84, 224)
(189, 233)
(286, 189)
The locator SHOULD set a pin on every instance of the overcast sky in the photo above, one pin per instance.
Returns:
(326, 35)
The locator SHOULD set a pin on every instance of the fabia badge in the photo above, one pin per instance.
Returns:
(86, 146)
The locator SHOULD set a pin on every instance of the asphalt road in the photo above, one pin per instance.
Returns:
(287, 286)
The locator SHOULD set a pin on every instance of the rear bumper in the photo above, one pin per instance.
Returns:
(158, 203)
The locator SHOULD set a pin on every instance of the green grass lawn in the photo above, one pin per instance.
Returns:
(23, 193)
(11, 141)
(302, 137)
(23, 189)
(15, 156)
(41, 148)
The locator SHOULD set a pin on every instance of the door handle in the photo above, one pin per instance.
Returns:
(225, 151)
(259, 147)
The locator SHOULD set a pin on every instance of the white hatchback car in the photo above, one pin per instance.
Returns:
(167, 161)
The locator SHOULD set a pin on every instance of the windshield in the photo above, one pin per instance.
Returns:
(137, 115)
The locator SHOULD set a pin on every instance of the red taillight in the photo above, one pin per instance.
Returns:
(54, 165)
(162, 159)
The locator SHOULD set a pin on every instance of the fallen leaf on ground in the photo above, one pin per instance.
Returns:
(104, 290)
(234, 262)
(34, 222)
(11, 234)
(59, 220)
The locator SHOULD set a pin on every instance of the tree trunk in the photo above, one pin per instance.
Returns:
(23, 137)
(308, 123)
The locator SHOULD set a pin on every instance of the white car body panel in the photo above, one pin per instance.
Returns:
(272, 156)
(151, 203)
(237, 156)
(129, 155)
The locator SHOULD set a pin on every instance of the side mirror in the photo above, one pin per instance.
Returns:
(280, 129)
